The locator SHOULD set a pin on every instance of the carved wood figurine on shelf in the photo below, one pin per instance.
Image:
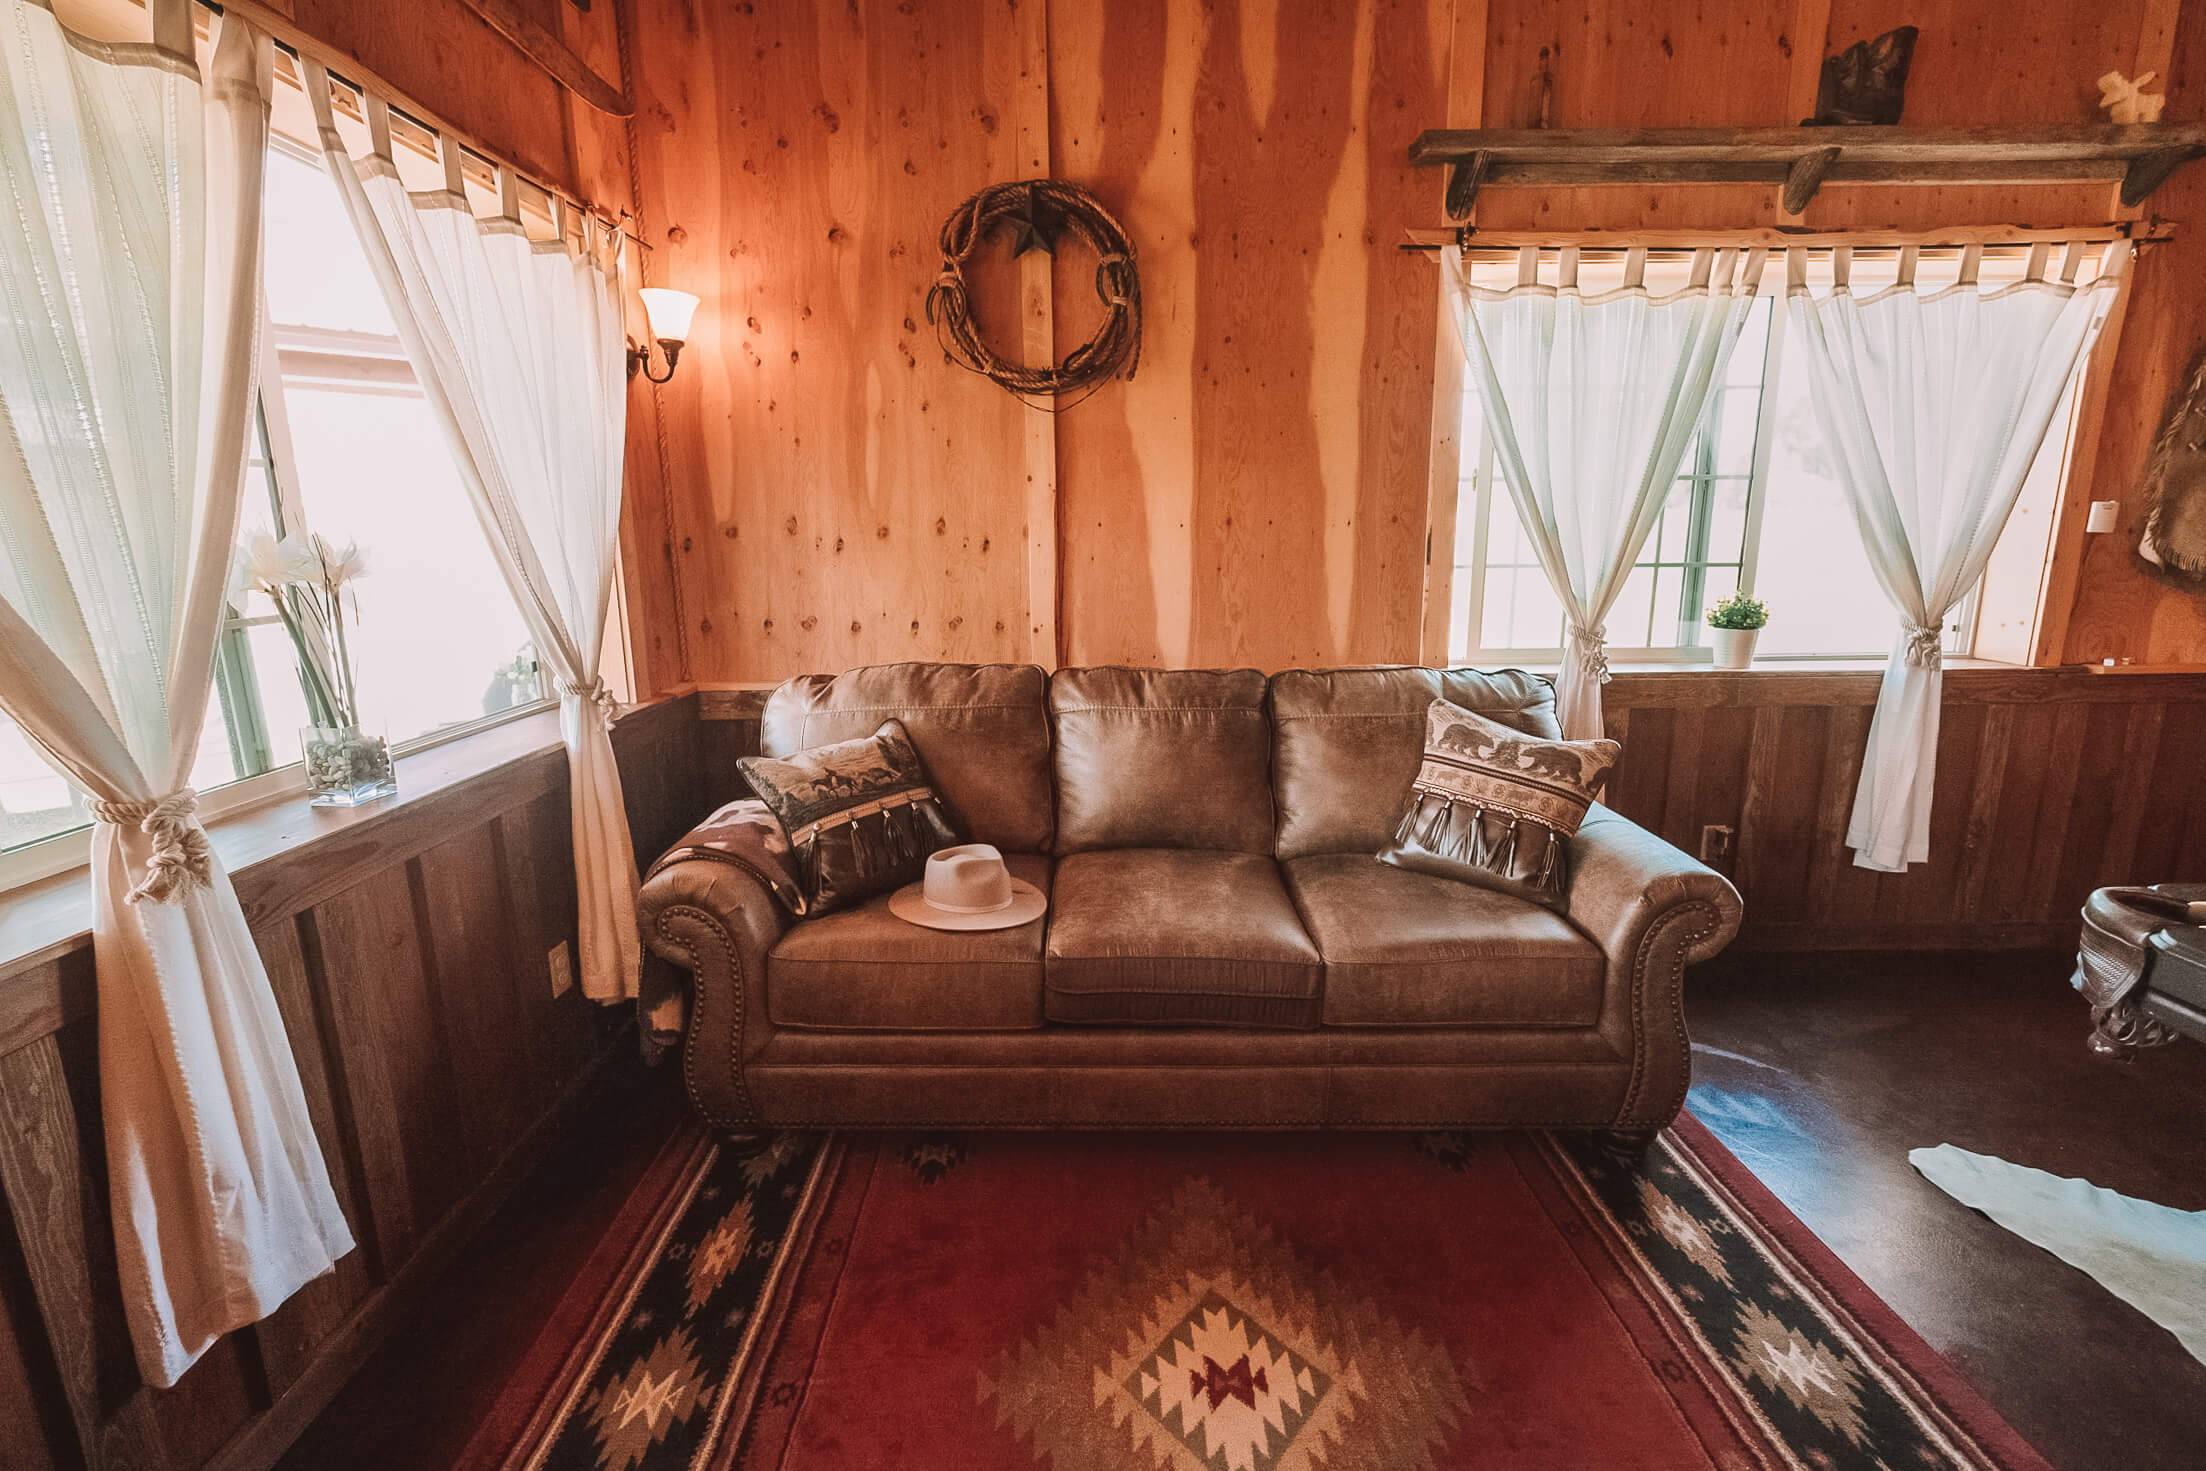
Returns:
(1866, 83)
(2126, 101)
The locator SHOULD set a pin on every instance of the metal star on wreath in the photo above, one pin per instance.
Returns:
(1035, 226)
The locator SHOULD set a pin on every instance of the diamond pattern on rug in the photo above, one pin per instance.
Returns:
(1208, 1345)
(1261, 1396)
(646, 1399)
(633, 1412)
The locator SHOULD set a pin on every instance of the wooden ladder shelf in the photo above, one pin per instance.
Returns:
(2140, 155)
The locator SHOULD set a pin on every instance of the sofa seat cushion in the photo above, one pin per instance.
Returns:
(863, 969)
(1406, 949)
(1178, 936)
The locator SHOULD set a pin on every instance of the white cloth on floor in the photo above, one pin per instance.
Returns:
(2152, 1257)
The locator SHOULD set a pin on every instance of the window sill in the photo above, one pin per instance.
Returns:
(46, 919)
(1807, 664)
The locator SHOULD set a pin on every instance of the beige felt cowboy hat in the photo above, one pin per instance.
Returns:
(968, 888)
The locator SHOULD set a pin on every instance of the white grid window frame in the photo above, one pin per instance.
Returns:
(1481, 533)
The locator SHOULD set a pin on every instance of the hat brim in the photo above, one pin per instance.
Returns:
(1027, 905)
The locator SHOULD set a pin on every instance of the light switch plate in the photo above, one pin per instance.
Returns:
(2104, 517)
(562, 969)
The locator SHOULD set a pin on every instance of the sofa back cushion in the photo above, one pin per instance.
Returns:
(1346, 744)
(1162, 758)
(982, 730)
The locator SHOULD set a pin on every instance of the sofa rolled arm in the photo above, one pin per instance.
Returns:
(1653, 911)
(715, 913)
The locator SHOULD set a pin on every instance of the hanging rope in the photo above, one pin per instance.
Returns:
(1048, 209)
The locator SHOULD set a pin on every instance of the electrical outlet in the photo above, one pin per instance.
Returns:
(1715, 844)
(562, 969)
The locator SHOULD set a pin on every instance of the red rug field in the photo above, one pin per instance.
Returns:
(1226, 1303)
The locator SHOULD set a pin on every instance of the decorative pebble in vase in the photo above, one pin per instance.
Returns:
(346, 767)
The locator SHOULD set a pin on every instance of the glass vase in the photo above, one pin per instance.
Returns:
(346, 766)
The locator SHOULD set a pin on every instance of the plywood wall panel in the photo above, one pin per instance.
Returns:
(1616, 64)
(849, 495)
(2124, 608)
(446, 57)
(1256, 494)
(2029, 61)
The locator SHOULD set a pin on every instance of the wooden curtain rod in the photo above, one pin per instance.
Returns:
(287, 38)
(527, 35)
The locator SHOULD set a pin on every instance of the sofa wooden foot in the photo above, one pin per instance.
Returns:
(743, 1145)
(1628, 1146)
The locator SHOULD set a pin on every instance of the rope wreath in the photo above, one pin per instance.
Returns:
(1039, 208)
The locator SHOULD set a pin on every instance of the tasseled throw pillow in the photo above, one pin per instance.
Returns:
(1495, 806)
(860, 815)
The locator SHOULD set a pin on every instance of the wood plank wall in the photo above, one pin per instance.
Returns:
(409, 958)
(1258, 495)
(2049, 784)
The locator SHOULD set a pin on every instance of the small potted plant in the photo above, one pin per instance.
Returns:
(1735, 623)
(309, 582)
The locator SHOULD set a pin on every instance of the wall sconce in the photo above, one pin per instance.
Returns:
(668, 315)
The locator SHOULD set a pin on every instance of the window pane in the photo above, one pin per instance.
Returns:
(1671, 537)
(215, 763)
(437, 639)
(1745, 368)
(1669, 588)
(1822, 597)
(1630, 621)
(282, 702)
(1727, 521)
(1737, 412)
(35, 802)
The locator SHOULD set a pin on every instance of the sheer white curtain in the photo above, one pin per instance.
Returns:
(1933, 405)
(129, 297)
(519, 346)
(1590, 403)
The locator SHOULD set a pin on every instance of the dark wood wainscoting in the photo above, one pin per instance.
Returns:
(410, 954)
(2050, 783)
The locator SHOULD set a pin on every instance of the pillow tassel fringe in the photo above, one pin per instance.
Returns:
(1432, 824)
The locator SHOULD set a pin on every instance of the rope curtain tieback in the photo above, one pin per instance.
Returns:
(1042, 211)
(592, 692)
(1926, 647)
(182, 858)
(1592, 647)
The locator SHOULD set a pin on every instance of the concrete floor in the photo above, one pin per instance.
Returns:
(1820, 1073)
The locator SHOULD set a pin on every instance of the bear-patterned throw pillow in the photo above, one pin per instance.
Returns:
(1496, 807)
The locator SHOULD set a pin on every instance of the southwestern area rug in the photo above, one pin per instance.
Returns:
(1227, 1303)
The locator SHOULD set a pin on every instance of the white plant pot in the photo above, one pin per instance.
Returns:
(1734, 647)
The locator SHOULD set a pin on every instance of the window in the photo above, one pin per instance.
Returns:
(346, 446)
(1756, 506)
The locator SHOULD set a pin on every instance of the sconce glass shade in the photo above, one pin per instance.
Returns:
(668, 312)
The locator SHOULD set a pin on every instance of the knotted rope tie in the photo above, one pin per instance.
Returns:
(182, 859)
(595, 693)
(1592, 648)
(1926, 647)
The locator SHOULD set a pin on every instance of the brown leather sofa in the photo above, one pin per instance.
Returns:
(1221, 950)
